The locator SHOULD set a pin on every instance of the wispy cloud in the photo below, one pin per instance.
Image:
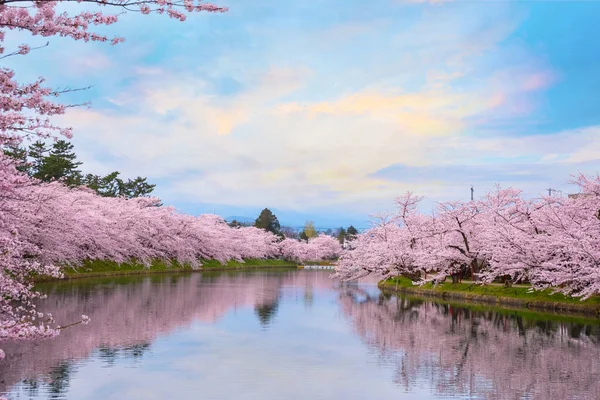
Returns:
(300, 107)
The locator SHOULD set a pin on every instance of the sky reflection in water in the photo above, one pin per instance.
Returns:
(292, 335)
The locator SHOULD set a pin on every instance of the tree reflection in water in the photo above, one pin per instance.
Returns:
(477, 353)
(444, 349)
(128, 313)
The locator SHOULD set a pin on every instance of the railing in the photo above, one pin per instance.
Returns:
(317, 266)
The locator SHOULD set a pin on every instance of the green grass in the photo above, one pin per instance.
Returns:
(96, 268)
(527, 314)
(107, 267)
(325, 263)
(517, 294)
(249, 263)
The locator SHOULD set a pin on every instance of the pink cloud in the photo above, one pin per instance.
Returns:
(537, 81)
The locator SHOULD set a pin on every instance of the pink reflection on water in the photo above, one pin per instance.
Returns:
(481, 354)
(140, 309)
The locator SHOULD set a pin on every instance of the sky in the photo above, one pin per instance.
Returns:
(327, 110)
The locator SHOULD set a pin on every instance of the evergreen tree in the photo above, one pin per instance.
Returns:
(138, 187)
(60, 164)
(94, 182)
(19, 154)
(303, 236)
(268, 221)
(235, 224)
(112, 186)
(37, 152)
(341, 236)
(351, 233)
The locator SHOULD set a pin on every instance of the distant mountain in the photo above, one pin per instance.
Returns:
(240, 219)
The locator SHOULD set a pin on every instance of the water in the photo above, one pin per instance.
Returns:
(293, 335)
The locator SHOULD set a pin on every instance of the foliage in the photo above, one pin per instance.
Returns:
(110, 268)
(27, 109)
(341, 236)
(18, 154)
(288, 232)
(267, 221)
(235, 224)
(309, 230)
(247, 263)
(322, 247)
(351, 232)
(61, 165)
(521, 292)
(113, 186)
(347, 235)
(550, 242)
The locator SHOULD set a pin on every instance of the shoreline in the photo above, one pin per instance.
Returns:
(464, 295)
(101, 269)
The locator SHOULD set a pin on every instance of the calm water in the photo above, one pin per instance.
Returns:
(293, 335)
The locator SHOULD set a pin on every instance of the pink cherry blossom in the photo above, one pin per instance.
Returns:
(35, 218)
(320, 248)
(549, 242)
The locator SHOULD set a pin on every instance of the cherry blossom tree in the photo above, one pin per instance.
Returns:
(565, 252)
(396, 245)
(58, 225)
(322, 247)
(549, 242)
(27, 108)
(26, 112)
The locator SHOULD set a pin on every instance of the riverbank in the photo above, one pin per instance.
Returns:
(102, 268)
(496, 294)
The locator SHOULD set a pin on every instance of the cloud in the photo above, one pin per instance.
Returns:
(83, 63)
(254, 147)
(280, 112)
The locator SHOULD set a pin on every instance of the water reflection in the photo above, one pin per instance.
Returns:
(128, 313)
(478, 353)
(293, 335)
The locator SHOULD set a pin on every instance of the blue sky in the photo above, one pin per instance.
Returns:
(329, 109)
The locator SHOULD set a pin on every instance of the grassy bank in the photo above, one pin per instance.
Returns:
(321, 263)
(250, 263)
(505, 310)
(100, 268)
(515, 296)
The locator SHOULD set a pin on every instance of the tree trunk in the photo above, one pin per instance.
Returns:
(474, 269)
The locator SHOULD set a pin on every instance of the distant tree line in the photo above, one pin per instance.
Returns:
(269, 222)
(347, 235)
(58, 162)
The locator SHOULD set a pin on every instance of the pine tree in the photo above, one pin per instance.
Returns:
(303, 236)
(60, 164)
(113, 186)
(351, 233)
(19, 154)
(341, 236)
(268, 221)
(37, 152)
